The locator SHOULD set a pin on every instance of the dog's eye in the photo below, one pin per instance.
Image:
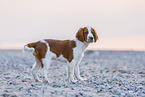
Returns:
(86, 32)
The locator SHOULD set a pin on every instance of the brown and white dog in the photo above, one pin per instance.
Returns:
(68, 51)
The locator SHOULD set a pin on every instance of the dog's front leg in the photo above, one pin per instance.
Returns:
(71, 72)
(77, 71)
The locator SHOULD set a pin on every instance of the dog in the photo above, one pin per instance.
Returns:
(67, 51)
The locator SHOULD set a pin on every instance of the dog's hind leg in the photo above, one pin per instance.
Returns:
(36, 67)
(46, 63)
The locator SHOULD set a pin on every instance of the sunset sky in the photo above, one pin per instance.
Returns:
(120, 24)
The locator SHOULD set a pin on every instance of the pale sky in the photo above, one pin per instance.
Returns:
(120, 24)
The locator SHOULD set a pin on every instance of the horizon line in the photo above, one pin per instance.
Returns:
(87, 49)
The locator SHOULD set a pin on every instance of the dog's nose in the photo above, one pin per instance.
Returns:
(91, 38)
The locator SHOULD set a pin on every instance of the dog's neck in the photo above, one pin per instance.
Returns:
(81, 45)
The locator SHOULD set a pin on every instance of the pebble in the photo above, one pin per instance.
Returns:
(65, 86)
(116, 92)
(23, 80)
(29, 90)
(7, 77)
(128, 88)
(81, 93)
(114, 79)
(13, 95)
(20, 88)
(5, 95)
(56, 86)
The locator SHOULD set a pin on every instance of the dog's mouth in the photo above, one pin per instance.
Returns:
(90, 40)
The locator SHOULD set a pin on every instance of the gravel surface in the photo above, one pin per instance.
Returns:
(109, 74)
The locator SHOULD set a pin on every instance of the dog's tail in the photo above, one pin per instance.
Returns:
(30, 47)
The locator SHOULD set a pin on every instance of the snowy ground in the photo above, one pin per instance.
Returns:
(109, 74)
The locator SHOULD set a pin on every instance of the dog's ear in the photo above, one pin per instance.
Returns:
(94, 34)
(80, 34)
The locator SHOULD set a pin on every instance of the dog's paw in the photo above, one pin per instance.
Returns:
(82, 79)
(73, 81)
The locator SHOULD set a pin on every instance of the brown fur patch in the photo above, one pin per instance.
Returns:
(85, 33)
(32, 44)
(40, 50)
(94, 34)
(82, 34)
(64, 47)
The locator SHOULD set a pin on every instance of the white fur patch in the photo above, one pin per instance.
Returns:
(90, 34)
(26, 48)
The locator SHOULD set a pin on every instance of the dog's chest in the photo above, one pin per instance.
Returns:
(78, 52)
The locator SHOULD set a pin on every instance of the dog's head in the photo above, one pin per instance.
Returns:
(87, 34)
